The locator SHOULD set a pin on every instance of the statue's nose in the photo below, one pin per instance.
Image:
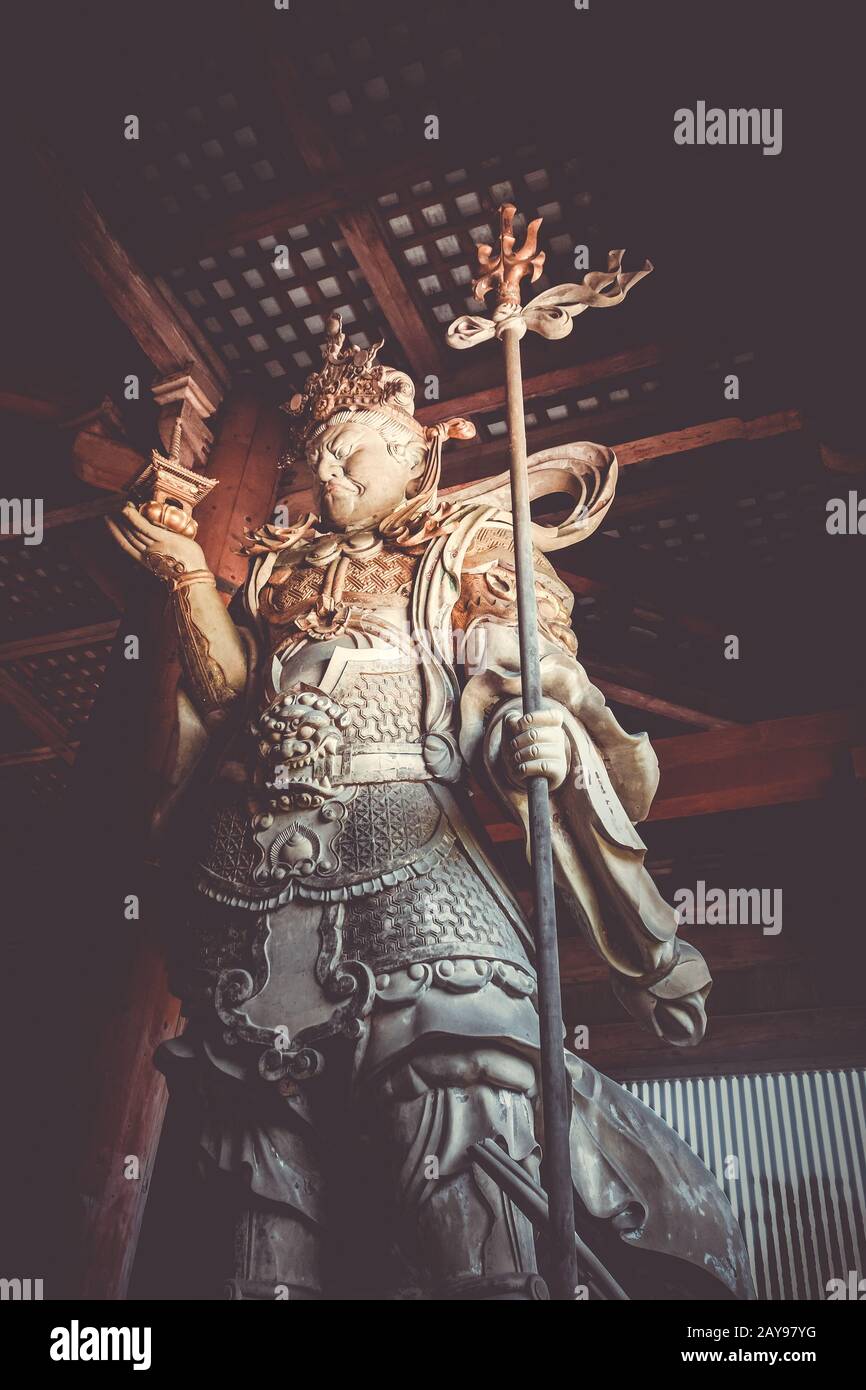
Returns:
(328, 468)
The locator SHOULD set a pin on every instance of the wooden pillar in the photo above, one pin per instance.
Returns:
(138, 1011)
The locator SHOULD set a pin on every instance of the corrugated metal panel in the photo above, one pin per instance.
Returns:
(789, 1151)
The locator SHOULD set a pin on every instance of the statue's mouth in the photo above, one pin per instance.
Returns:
(336, 486)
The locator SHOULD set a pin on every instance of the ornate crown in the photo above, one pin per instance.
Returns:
(352, 379)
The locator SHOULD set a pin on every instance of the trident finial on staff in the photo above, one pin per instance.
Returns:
(551, 314)
(506, 270)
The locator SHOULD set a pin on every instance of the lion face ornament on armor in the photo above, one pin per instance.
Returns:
(300, 736)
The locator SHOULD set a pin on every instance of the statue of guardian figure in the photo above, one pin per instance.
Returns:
(357, 975)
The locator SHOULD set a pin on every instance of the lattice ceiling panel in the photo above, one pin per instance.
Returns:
(380, 73)
(435, 225)
(768, 500)
(42, 589)
(26, 788)
(635, 629)
(265, 309)
(65, 683)
(765, 523)
(618, 399)
(209, 145)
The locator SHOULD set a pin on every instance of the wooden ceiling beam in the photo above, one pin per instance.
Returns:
(722, 431)
(829, 729)
(801, 758)
(70, 516)
(105, 461)
(666, 709)
(360, 225)
(51, 412)
(645, 686)
(31, 756)
(366, 240)
(43, 724)
(59, 641)
(727, 950)
(475, 460)
(159, 324)
(834, 1036)
(576, 377)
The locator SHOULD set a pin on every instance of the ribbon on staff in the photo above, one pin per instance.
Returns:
(553, 312)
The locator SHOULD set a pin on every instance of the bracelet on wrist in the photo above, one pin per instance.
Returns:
(183, 581)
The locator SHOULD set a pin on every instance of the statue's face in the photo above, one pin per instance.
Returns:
(360, 480)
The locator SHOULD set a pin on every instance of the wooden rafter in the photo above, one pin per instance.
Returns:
(801, 758)
(588, 586)
(474, 460)
(766, 764)
(59, 641)
(667, 709)
(731, 427)
(70, 516)
(794, 1037)
(726, 949)
(32, 407)
(30, 756)
(160, 326)
(650, 692)
(576, 377)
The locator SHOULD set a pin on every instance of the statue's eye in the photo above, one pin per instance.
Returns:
(306, 731)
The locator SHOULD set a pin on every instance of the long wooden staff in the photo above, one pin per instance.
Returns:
(550, 314)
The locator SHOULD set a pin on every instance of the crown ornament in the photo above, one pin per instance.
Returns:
(350, 378)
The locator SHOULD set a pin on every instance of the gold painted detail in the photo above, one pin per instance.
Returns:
(174, 490)
(317, 593)
(350, 377)
(489, 591)
(505, 271)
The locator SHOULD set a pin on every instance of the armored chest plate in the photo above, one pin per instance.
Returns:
(318, 592)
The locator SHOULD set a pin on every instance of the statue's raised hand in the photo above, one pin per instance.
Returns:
(535, 746)
(164, 552)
